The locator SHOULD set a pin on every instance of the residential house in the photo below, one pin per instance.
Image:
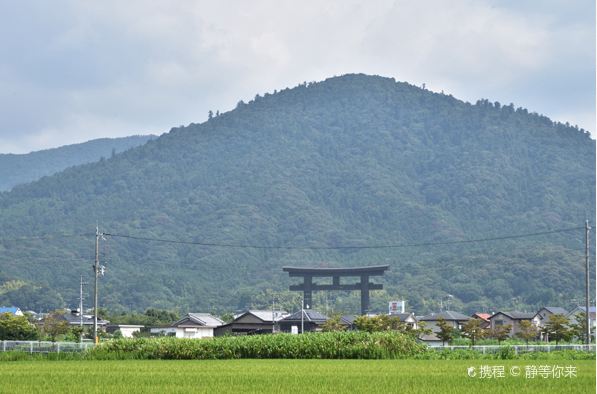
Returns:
(455, 319)
(252, 322)
(348, 322)
(311, 320)
(127, 330)
(510, 318)
(196, 325)
(75, 318)
(542, 316)
(13, 310)
(484, 317)
(431, 340)
(408, 318)
(572, 316)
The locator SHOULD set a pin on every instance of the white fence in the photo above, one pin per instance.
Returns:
(44, 347)
(58, 347)
(519, 348)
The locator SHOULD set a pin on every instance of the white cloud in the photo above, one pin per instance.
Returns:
(92, 69)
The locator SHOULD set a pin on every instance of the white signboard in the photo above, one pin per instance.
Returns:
(396, 307)
(294, 329)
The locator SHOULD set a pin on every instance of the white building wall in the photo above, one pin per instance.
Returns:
(194, 332)
(127, 332)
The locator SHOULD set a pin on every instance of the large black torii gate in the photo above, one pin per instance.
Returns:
(307, 287)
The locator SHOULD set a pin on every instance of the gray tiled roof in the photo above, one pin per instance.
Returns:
(203, 319)
(403, 316)
(516, 315)
(310, 315)
(447, 315)
(556, 310)
(348, 319)
(264, 315)
(582, 308)
(429, 337)
(206, 318)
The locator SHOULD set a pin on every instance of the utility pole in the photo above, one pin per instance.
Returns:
(96, 271)
(303, 316)
(273, 316)
(587, 313)
(81, 302)
(81, 307)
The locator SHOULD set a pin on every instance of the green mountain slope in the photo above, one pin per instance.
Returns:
(353, 160)
(16, 169)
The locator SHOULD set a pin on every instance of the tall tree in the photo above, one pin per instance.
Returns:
(501, 333)
(579, 329)
(446, 331)
(54, 325)
(528, 331)
(558, 328)
(472, 330)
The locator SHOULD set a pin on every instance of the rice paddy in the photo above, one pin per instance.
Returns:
(293, 376)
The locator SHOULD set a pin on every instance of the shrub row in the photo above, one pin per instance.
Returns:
(329, 345)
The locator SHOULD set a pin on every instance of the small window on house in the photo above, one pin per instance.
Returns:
(499, 322)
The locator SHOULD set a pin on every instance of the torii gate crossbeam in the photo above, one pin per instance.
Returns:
(308, 286)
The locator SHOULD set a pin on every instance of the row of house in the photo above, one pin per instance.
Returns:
(200, 325)
(539, 320)
(251, 322)
(203, 325)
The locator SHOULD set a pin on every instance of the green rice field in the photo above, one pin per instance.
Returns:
(292, 376)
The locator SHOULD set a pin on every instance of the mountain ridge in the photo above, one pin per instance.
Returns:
(16, 169)
(350, 160)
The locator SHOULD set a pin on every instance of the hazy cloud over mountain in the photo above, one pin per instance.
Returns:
(71, 71)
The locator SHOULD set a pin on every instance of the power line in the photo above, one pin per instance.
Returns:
(339, 247)
(45, 237)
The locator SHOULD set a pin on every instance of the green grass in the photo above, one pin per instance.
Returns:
(275, 376)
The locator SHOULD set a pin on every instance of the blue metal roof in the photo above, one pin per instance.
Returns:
(9, 309)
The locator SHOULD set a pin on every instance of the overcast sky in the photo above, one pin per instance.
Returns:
(71, 71)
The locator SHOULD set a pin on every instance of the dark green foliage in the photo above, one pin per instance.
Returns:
(354, 160)
(54, 326)
(473, 331)
(446, 331)
(501, 333)
(151, 317)
(379, 345)
(579, 327)
(558, 328)
(333, 324)
(16, 328)
(528, 331)
(36, 297)
(25, 168)
(378, 323)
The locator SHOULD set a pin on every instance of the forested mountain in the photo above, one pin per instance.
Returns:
(353, 160)
(16, 169)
